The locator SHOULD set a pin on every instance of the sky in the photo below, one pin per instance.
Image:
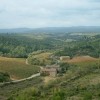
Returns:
(49, 13)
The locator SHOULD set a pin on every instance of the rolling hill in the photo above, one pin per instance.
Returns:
(53, 29)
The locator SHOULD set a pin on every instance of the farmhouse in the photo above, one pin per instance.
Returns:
(50, 70)
(65, 58)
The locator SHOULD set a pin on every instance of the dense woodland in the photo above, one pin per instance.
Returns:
(15, 46)
(20, 45)
(85, 47)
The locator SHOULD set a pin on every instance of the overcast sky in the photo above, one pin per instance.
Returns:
(49, 13)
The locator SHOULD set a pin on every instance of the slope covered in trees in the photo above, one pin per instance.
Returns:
(12, 45)
(87, 46)
(20, 45)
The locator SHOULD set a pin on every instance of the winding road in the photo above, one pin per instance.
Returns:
(17, 81)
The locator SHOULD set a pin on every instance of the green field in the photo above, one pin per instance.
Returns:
(81, 82)
(10, 89)
(17, 68)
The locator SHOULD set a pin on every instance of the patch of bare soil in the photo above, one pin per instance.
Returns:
(82, 59)
(13, 77)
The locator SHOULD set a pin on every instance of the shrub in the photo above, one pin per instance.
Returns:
(4, 77)
(87, 96)
(64, 67)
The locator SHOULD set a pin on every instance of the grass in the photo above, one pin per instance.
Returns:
(88, 63)
(43, 55)
(81, 59)
(17, 68)
(81, 82)
(43, 58)
(10, 89)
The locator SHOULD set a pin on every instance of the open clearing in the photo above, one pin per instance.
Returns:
(17, 68)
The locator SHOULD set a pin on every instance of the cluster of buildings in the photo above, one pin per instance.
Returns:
(52, 70)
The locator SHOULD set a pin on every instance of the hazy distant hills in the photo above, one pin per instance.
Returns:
(14, 30)
(68, 29)
(53, 29)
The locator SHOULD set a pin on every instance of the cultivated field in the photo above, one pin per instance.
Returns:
(82, 59)
(17, 68)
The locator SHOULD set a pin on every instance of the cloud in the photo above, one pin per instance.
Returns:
(46, 13)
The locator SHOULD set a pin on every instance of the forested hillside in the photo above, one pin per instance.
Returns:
(12, 45)
(87, 46)
(20, 45)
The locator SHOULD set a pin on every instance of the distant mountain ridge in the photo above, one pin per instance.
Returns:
(15, 30)
(52, 29)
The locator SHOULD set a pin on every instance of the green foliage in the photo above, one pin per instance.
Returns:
(19, 52)
(20, 45)
(41, 58)
(87, 96)
(85, 47)
(34, 61)
(64, 67)
(58, 95)
(4, 77)
(12, 91)
(28, 94)
(79, 83)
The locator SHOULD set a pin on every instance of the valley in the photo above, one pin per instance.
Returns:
(23, 55)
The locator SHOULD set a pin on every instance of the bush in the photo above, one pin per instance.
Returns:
(58, 95)
(87, 96)
(4, 77)
(64, 67)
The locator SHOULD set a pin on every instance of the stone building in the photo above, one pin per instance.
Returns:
(50, 70)
(63, 58)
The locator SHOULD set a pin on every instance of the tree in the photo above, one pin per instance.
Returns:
(64, 67)
(4, 77)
